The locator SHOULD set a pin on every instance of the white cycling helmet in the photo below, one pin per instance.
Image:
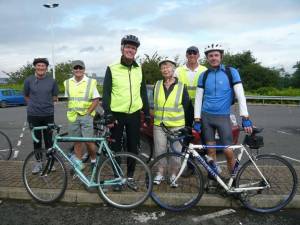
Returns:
(214, 47)
(166, 60)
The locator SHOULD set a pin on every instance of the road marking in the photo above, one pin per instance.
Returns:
(213, 215)
(297, 160)
(144, 217)
(283, 132)
(16, 152)
(19, 143)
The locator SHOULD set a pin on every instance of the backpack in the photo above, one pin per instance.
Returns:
(230, 78)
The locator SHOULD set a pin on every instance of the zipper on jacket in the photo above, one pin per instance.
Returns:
(215, 83)
(130, 88)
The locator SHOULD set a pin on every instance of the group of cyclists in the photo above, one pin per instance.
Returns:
(189, 95)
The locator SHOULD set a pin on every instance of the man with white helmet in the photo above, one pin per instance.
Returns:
(217, 88)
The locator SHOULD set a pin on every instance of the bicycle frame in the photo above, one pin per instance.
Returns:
(228, 187)
(102, 147)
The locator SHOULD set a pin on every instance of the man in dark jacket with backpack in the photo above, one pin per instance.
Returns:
(216, 91)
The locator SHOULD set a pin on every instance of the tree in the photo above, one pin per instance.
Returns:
(255, 76)
(63, 71)
(20, 75)
(296, 76)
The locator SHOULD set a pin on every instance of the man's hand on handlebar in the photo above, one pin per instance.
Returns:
(247, 125)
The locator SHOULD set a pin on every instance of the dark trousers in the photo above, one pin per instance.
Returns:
(131, 123)
(35, 121)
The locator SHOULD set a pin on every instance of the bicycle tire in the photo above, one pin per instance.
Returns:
(190, 188)
(126, 197)
(48, 188)
(281, 176)
(5, 147)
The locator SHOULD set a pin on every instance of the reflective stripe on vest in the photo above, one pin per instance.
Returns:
(169, 111)
(183, 77)
(80, 98)
(126, 88)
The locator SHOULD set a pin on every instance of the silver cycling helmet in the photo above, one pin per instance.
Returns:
(130, 39)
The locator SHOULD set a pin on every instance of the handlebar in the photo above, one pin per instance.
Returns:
(50, 126)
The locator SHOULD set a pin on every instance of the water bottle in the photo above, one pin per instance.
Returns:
(210, 161)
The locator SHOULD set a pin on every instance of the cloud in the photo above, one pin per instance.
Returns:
(91, 30)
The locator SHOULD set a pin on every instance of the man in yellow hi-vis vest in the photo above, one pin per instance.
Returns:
(124, 96)
(83, 97)
(171, 101)
(189, 75)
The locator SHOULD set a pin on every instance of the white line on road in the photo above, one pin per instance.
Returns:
(283, 132)
(297, 160)
(16, 151)
(19, 143)
(213, 215)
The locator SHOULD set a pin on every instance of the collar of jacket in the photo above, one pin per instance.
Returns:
(221, 67)
(134, 63)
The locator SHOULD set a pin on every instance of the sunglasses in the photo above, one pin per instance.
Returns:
(192, 53)
(78, 68)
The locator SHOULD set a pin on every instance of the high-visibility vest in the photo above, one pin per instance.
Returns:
(168, 111)
(183, 77)
(126, 88)
(80, 97)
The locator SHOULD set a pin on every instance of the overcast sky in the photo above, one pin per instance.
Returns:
(91, 29)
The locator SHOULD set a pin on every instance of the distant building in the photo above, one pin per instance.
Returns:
(3, 80)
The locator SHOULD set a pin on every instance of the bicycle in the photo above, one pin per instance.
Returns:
(108, 175)
(5, 147)
(263, 183)
(145, 148)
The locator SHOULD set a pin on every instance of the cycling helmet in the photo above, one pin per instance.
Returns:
(130, 39)
(166, 60)
(40, 60)
(214, 47)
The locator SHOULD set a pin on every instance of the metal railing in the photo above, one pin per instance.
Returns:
(255, 98)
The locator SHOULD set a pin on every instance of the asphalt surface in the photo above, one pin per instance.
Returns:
(281, 125)
(24, 212)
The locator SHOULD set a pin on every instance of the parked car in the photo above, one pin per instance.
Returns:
(10, 97)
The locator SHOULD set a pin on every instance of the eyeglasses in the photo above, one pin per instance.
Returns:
(78, 68)
(192, 52)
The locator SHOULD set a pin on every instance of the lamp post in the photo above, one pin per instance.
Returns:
(52, 6)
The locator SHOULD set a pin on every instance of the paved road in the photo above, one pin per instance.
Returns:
(281, 127)
(17, 212)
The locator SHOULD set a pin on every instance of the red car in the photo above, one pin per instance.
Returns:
(146, 147)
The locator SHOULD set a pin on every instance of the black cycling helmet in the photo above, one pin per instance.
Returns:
(40, 60)
(130, 39)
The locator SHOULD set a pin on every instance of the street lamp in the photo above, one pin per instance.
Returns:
(52, 6)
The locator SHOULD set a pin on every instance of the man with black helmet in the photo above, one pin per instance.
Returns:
(40, 92)
(124, 95)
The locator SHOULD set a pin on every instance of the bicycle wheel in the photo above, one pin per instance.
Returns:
(188, 189)
(126, 193)
(280, 175)
(145, 148)
(5, 147)
(49, 187)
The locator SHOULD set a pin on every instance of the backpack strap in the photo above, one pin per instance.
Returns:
(229, 76)
(205, 78)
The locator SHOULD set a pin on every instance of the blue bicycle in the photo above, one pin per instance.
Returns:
(123, 180)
